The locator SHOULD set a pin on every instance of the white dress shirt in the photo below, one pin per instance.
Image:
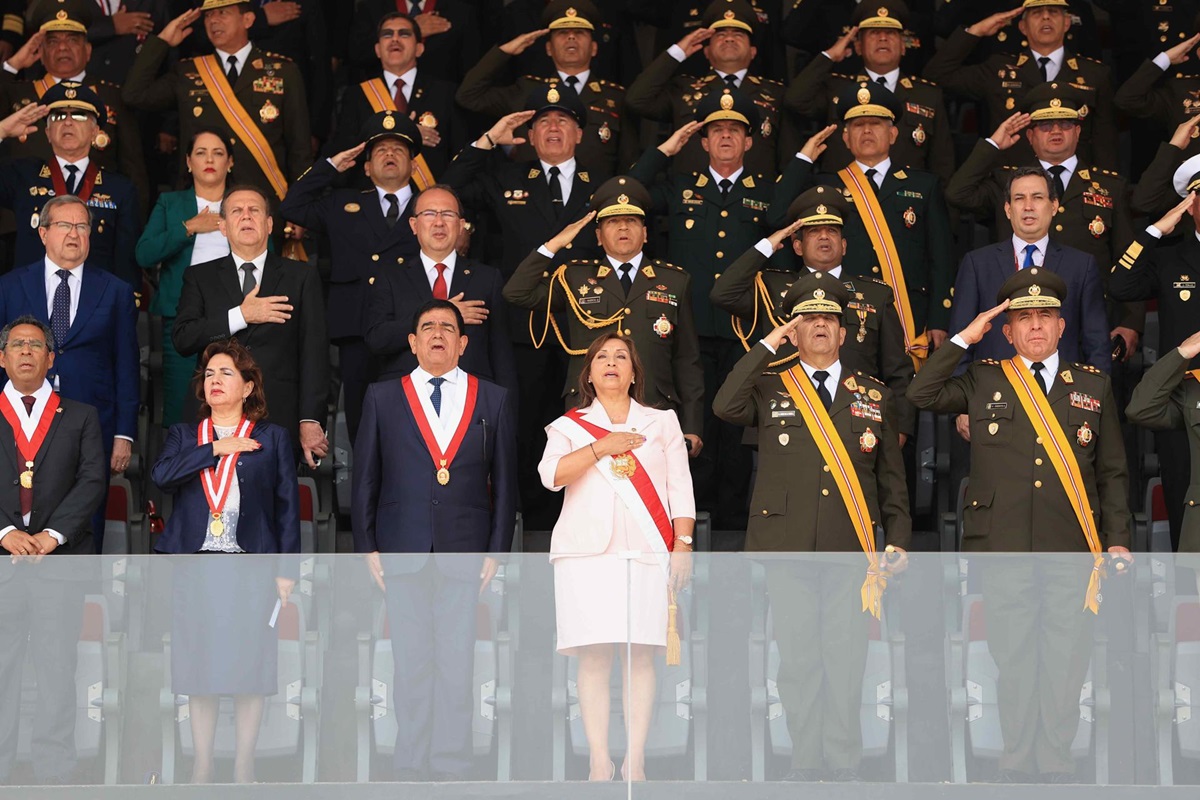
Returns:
(81, 165)
(431, 268)
(409, 79)
(1050, 363)
(566, 176)
(890, 78)
(1039, 255)
(29, 423)
(732, 177)
(403, 198)
(636, 263)
(240, 56)
(582, 78)
(831, 383)
(1069, 167)
(1053, 65)
(881, 170)
(236, 321)
(454, 392)
(212, 245)
(74, 283)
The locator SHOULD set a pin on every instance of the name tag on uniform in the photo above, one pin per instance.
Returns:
(783, 413)
(583, 301)
(997, 406)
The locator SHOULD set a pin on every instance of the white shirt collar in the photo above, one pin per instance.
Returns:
(1056, 57)
(1197, 235)
(882, 169)
(241, 56)
(421, 378)
(409, 78)
(582, 76)
(1019, 245)
(836, 272)
(636, 261)
(77, 78)
(52, 270)
(1070, 164)
(740, 75)
(566, 170)
(259, 262)
(1051, 367)
(40, 397)
(431, 266)
(733, 177)
(891, 77)
(835, 375)
(82, 164)
(403, 197)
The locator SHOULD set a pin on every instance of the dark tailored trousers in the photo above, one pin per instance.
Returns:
(354, 366)
(1040, 636)
(821, 631)
(722, 470)
(1175, 467)
(432, 620)
(47, 615)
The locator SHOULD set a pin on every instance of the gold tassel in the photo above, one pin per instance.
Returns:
(673, 647)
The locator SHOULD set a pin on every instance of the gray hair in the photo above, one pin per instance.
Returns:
(61, 200)
(27, 319)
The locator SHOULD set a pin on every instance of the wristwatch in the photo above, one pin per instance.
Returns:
(685, 539)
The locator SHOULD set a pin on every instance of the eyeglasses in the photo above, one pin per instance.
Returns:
(77, 116)
(82, 228)
(431, 215)
(1062, 124)
(25, 344)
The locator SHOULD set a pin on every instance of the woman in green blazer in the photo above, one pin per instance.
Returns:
(183, 231)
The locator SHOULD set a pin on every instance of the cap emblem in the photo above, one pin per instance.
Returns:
(1034, 290)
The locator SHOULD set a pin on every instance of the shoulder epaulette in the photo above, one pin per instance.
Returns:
(1106, 172)
(280, 56)
(991, 362)
(611, 85)
(880, 282)
(659, 263)
(869, 377)
(1087, 368)
(919, 79)
(769, 267)
(103, 82)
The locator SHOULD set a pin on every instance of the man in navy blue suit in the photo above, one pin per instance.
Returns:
(435, 464)
(94, 320)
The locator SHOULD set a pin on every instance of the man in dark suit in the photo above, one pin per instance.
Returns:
(367, 231)
(94, 320)
(420, 96)
(474, 287)
(52, 484)
(450, 28)
(273, 306)
(25, 184)
(435, 477)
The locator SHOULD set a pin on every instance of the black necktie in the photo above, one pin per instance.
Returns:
(871, 173)
(819, 378)
(725, 185)
(556, 189)
(436, 397)
(393, 211)
(626, 276)
(1042, 62)
(573, 82)
(72, 188)
(882, 81)
(416, 7)
(1059, 187)
(1037, 368)
(731, 81)
(60, 314)
(232, 72)
(248, 281)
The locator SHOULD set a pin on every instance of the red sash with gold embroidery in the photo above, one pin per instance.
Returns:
(28, 448)
(441, 461)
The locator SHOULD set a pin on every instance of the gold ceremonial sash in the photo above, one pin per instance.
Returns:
(1045, 424)
(915, 344)
(239, 121)
(820, 425)
(42, 85)
(377, 95)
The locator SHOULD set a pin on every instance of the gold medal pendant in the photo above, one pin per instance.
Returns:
(27, 479)
(623, 466)
(443, 474)
(216, 527)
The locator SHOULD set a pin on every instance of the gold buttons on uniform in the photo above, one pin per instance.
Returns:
(400, 260)
(874, 269)
(627, 312)
(1039, 440)
(1062, 210)
(1058, 228)
(720, 254)
(974, 502)
(825, 493)
(375, 257)
(720, 234)
(628, 332)
(724, 213)
(1037, 484)
(1037, 461)
(825, 468)
(764, 512)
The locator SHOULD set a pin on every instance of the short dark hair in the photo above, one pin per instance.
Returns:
(245, 187)
(394, 15)
(434, 305)
(637, 389)
(27, 319)
(255, 406)
(1030, 172)
(442, 187)
(220, 133)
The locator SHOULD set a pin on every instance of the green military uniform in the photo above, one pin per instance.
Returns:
(819, 623)
(1168, 398)
(755, 285)
(912, 204)
(1154, 194)
(1001, 81)
(609, 143)
(924, 141)
(1169, 97)
(269, 87)
(656, 312)
(661, 93)
(1038, 632)
(1092, 216)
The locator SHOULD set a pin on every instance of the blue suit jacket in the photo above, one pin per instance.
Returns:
(97, 364)
(398, 505)
(269, 515)
(982, 273)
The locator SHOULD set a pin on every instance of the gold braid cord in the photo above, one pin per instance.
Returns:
(763, 295)
(585, 319)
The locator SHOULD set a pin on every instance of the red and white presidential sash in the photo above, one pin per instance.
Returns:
(218, 480)
(27, 449)
(632, 484)
(441, 461)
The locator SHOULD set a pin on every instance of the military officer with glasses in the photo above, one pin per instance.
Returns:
(74, 117)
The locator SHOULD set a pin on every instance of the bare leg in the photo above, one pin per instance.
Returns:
(248, 711)
(595, 667)
(639, 709)
(202, 710)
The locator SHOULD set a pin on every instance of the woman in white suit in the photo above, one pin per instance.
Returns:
(625, 468)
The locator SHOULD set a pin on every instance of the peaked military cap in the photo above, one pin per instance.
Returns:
(868, 99)
(621, 196)
(736, 14)
(561, 15)
(820, 205)
(1033, 287)
(556, 97)
(1054, 100)
(392, 125)
(1187, 176)
(816, 293)
(727, 104)
(885, 14)
(61, 21)
(72, 94)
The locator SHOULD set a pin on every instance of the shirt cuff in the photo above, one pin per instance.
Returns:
(236, 321)
(544, 251)
(992, 142)
(10, 528)
(765, 247)
(960, 341)
(313, 421)
(1153, 231)
(1162, 61)
(58, 537)
(763, 342)
(803, 157)
(119, 436)
(677, 53)
(10, 69)
(329, 161)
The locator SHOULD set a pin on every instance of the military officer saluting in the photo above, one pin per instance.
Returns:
(1166, 89)
(608, 145)
(754, 287)
(662, 93)
(829, 472)
(1048, 475)
(1001, 80)
(876, 34)
(72, 125)
(257, 96)
(646, 299)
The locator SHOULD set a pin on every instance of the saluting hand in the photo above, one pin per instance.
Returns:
(816, 143)
(518, 45)
(1190, 348)
(345, 159)
(777, 337)
(568, 234)
(1180, 52)
(780, 236)
(679, 138)
(995, 23)
(1184, 133)
(974, 333)
(19, 124)
(843, 48)
(1167, 224)
(694, 42)
(502, 132)
(30, 52)
(179, 28)
(1009, 132)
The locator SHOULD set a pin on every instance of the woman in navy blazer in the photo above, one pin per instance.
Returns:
(183, 231)
(223, 640)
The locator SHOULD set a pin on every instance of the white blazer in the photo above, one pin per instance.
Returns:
(585, 526)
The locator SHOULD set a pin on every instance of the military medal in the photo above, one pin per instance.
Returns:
(1096, 227)
(352, 208)
(910, 217)
(1085, 435)
(867, 441)
(217, 481)
(861, 336)
(101, 141)
(875, 395)
(663, 327)
(216, 527)
(427, 120)
(993, 428)
(268, 113)
(765, 128)
(918, 135)
(604, 132)
(197, 111)
(784, 439)
(441, 461)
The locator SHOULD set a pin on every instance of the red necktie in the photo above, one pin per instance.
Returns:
(399, 99)
(439, 284)
(26, 494)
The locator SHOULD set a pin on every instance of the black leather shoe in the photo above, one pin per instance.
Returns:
(802, 776)
(846, 776)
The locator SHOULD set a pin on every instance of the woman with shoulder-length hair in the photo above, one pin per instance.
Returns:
(233, 477)
(624, 466)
